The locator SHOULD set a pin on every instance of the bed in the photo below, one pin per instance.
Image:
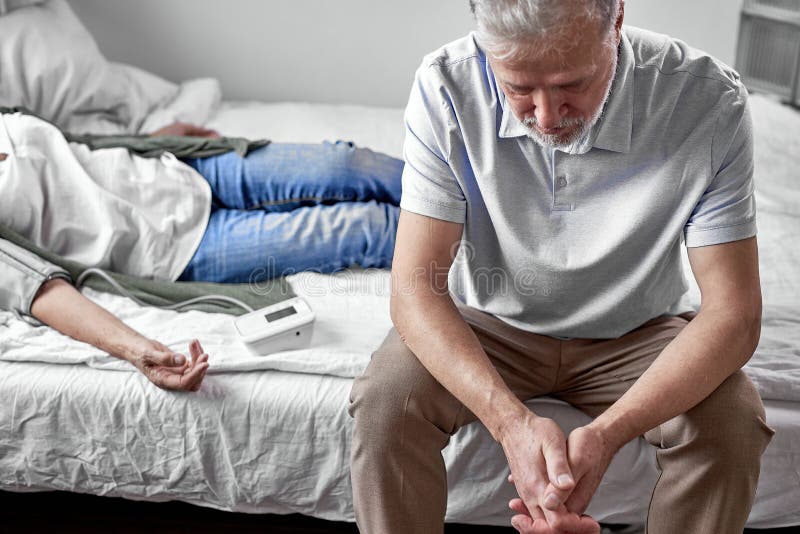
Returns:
(271, 434)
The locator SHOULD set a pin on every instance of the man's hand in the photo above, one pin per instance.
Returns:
(535, 522)
(589, 453)
(185, 130)
(170, 370)
(537, 455)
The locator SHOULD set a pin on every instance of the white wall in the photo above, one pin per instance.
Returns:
(335, 51)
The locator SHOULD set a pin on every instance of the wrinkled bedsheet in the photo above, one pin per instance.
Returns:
(352, 310)
(278, 442)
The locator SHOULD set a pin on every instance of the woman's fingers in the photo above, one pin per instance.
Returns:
(210, 133)
(194, 377)
(165, 358)
(181, 381)
(199, 131)
(183, 378)
(195, 350)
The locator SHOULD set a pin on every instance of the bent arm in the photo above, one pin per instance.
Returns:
(431, 326)
(714, 345)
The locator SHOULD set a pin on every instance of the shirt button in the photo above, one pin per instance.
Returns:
(3, 156)
(562, 182)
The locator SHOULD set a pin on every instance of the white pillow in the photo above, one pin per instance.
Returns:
(51, 65)
(144, 93)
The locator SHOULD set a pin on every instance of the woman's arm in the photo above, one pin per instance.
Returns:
(59, 305)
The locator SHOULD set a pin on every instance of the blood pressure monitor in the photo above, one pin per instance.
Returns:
(287, 325)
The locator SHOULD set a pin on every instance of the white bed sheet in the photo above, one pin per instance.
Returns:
(278, 441)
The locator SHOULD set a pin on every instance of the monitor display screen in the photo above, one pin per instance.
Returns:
(285, 312)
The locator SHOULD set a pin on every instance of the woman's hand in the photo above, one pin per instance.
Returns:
(185, 130)
(168, 369)
(61, 306)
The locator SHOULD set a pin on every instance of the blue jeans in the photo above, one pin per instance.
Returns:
(293, 207)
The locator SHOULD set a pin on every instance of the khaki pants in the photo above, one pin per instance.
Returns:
(709, 457)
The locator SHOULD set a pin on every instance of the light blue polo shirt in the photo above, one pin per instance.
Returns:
(584, 242)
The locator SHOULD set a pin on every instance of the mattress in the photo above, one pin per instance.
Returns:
(272, 435)
(277, 441)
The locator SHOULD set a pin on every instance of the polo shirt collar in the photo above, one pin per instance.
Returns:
(510, 125)
(613, 130)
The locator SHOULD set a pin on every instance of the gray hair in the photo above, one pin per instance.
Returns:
(508, 28)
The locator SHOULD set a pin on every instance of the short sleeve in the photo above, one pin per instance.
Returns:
(727, 211)
(430, 186)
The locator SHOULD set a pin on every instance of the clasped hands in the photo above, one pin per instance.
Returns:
(555, 477)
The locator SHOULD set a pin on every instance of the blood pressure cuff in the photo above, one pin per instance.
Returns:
(23, 274)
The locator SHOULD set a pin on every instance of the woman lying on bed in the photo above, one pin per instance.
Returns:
(280, 209)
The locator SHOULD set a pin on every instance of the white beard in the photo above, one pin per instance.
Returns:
(582, 125)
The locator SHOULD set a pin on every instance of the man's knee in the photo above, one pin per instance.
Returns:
(395, 387)
(729, 424)
(388, 378)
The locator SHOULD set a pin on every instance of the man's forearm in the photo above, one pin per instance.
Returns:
(714, 345)
(431, 326)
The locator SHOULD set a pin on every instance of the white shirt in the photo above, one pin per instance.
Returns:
(106, 208)
(584, 242)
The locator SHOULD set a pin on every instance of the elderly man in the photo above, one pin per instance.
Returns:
(566, 159)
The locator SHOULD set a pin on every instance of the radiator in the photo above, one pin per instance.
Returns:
(768, 52)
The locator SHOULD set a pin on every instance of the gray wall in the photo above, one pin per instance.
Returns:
(354, 51)
(345, 51)
(710, 25)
